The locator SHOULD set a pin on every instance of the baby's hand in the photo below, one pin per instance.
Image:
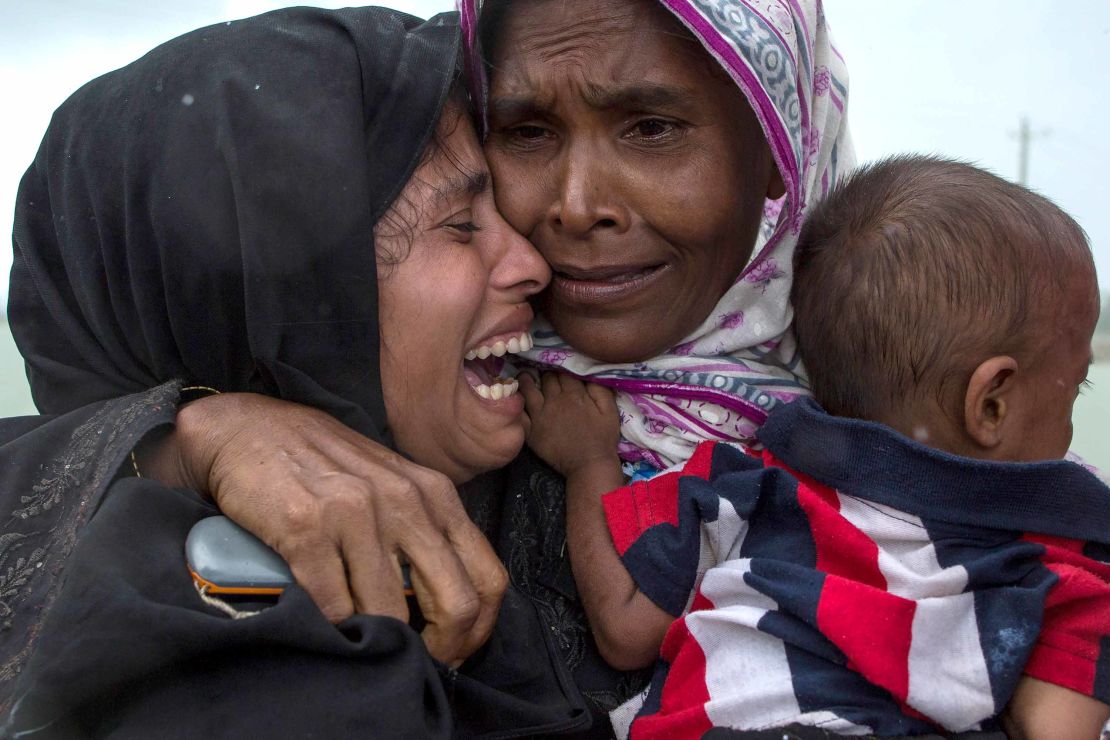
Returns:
(572, 424)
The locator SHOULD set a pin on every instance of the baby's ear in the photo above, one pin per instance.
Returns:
(989, 399)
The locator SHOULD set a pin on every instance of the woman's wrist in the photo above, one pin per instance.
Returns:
(182, 455)
(157, 457)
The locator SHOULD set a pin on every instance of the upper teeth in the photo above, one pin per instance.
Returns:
(523, 343)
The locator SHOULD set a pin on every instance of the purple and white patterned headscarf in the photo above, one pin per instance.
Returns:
(720, 382)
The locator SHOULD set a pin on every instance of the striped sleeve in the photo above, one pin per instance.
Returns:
(1073, 649)
(668, 529)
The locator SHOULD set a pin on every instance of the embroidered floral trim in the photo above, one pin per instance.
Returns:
(13, 576)
(37, 537)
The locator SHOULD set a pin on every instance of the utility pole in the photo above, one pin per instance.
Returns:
(1025, 136)
(1023, 151)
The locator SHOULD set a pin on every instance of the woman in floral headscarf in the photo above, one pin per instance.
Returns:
(682, 375)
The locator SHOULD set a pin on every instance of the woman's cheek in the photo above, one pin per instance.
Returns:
(517, 190)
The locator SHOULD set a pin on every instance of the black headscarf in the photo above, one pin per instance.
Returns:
(206, 213)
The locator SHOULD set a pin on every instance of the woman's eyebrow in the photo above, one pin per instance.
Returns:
(515, 107)
(471, 183)
(636, 96)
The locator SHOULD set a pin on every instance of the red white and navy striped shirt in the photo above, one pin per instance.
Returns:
(852, 579)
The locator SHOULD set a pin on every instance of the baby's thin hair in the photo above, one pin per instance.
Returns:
(914, 270)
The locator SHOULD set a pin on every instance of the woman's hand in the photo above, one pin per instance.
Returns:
(341, 509)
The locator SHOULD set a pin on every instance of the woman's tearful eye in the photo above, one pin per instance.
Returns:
(654, 129)
(464, 227)
(461, 226)
(526, 135)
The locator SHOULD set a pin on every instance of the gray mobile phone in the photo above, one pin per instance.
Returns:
(227, 559)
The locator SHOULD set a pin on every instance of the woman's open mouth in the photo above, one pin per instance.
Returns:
(602, 284)
(484, 366)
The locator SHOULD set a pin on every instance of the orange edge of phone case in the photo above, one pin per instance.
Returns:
(212, 588)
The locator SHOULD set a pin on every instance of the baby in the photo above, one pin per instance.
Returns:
(910, 555)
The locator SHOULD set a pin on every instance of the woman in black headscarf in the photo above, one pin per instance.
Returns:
(294, 206)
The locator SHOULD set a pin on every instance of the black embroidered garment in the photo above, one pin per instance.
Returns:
(205, 216)
(530, 536)
(47, 499)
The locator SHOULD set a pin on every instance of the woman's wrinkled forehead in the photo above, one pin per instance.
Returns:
(535, 35)
(608, 56)
(549, 32)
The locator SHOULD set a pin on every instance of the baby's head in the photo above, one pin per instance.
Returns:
(949, 304)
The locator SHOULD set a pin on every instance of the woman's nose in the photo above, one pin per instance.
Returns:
(586, 199)
(520, 268)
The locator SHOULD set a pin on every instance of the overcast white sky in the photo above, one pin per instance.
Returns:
(946, 76)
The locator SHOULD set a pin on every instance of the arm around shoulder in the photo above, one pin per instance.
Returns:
(342, 509)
